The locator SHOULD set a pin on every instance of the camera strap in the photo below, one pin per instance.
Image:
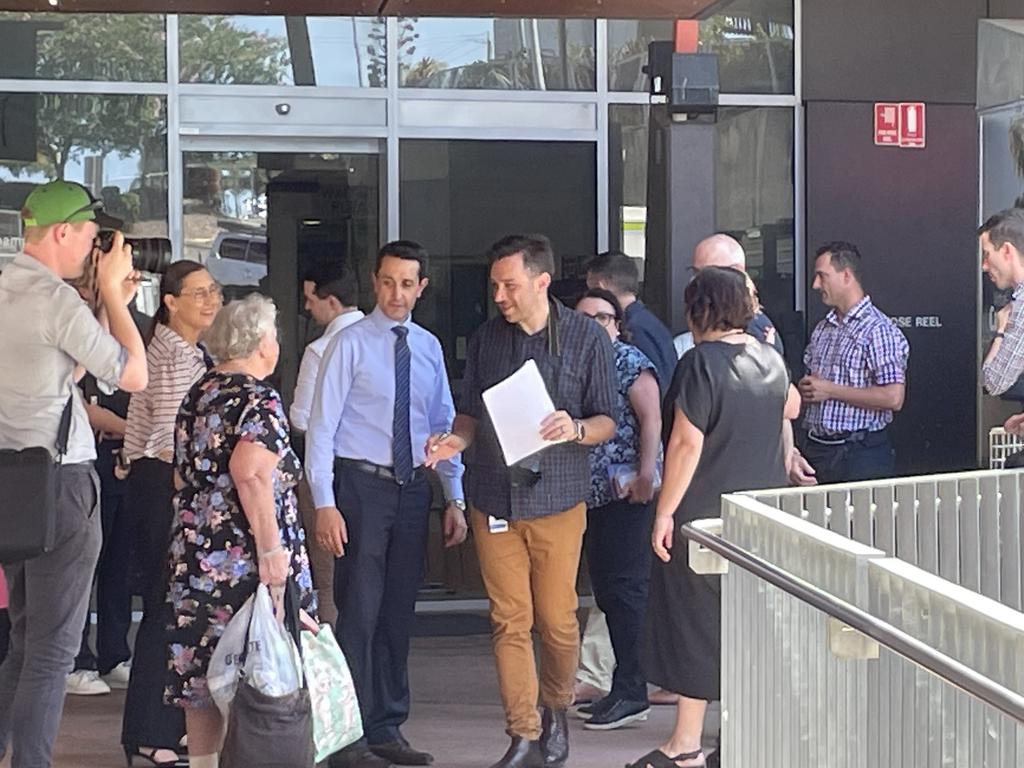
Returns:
(64, 430)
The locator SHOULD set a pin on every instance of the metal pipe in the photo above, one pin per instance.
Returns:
(939, 664)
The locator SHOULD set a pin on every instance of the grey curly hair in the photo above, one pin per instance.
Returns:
(239, 327)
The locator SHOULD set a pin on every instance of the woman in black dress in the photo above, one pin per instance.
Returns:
(729, 397)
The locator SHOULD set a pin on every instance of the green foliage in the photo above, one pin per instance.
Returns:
(213, 50)
(131, 47)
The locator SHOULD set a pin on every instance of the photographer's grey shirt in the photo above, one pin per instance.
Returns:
(45, 329)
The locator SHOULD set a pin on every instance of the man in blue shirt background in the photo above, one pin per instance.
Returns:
(618, 273)
(381, 392)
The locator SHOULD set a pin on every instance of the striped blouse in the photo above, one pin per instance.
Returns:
(174, 366)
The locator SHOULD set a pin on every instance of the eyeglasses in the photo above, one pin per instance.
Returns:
(604, 318)
(202, 295)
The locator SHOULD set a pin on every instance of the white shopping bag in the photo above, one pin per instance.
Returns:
(269, 660)
(336, 719)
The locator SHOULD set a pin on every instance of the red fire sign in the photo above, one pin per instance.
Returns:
(887, 124)
(912, 124)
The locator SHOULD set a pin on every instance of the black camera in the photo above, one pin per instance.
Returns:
(149, 254)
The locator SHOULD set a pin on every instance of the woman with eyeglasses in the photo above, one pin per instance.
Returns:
(623, 476)
(189, 301)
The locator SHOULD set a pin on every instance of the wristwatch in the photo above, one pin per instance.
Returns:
(581, 431)
(458, 504)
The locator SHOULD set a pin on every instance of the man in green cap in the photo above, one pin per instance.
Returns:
(46, 332)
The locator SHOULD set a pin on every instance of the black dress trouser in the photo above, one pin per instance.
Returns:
(375, 588)
(618, 543)
(147, 720)
(113, 589)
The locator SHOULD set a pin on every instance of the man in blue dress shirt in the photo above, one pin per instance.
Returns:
(382, 390)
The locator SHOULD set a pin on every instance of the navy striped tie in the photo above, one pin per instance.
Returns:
(401, 441)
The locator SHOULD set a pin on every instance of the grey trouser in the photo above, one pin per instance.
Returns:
(49, 597)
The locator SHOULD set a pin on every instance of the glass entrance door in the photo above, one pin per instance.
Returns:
(260, 220)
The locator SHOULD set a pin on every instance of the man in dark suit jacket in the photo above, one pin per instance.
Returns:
(618, 273)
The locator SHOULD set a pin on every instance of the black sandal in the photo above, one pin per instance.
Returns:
(658, 759)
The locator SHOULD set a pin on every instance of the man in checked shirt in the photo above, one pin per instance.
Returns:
(1002, 241)
(856, 375)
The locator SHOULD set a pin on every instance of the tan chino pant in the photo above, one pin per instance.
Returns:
(530, 575)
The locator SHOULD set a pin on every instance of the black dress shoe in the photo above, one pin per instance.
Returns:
(400, 753)
(522, 753)
(554, 737)
(357, 757)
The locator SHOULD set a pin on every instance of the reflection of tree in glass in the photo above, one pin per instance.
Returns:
(131, 47)
(516, 71)
(376, 64)
(749, 50)
(754, 54)
(213, 50)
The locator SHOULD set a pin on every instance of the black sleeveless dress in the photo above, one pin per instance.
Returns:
(735, 394)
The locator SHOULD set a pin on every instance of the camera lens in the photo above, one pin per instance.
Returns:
(149, 254)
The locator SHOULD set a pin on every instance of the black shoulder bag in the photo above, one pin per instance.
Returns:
(29, 495)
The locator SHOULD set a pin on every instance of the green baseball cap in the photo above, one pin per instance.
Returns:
(59, 202)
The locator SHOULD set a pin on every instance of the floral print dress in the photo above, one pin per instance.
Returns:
(213, 567)
(624, 447)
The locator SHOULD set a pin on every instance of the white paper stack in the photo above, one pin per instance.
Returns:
(517, 406)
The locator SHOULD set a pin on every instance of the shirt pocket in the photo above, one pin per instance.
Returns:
(569, 393)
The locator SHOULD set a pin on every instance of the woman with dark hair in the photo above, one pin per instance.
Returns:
(189, 302)
(623, 474)
(728, 398)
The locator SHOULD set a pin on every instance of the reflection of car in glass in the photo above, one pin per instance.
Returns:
(238, 258)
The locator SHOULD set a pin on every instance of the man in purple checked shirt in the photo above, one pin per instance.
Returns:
(856, 366)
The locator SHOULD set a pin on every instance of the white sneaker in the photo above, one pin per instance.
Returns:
(119, 675)
(85, 682)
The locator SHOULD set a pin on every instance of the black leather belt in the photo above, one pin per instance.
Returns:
(842, 438)
(384, 473)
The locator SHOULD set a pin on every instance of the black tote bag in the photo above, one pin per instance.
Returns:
(29, 494)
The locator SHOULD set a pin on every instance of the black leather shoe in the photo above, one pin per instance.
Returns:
(554, 737)
(522, 753)
(400, 752)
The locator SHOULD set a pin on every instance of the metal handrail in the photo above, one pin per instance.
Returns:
(1000, 697)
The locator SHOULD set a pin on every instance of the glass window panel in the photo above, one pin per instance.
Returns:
(114, 145)
(277, 50)
(499, 54)
(753, 40)
(83, 46)
(457, 211)
(257, 253)
(228, 205)
(232, 248)
(754, 194)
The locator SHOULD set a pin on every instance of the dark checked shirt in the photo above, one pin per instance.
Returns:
(1002, 371)
(581, 380)
(862, 349)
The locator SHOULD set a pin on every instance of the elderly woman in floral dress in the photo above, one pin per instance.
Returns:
(236, 521)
